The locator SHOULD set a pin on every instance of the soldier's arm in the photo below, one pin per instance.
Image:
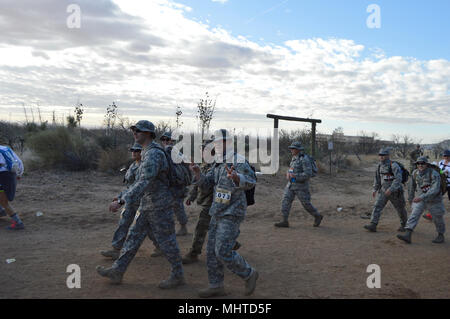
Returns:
(397, 182)
(412, 188)
(206, 181)
(247, 178)
(435, 187)
(193, 193)
(148, 172)
(307, 171)
(377, 180)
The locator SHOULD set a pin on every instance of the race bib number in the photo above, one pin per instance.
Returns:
(223, 196)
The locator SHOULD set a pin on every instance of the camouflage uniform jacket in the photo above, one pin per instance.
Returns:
(302, 170)
(428, 184)
(152, 184)
(388, 176)
(229, 198)
(130, 177)
(204, 197)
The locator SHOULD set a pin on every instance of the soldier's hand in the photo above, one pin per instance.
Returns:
(195, 169)
(231, 174)
(114, 206)
(417, 200)
(188, 202)
(374, 194)
(115, 199)
(388, 192)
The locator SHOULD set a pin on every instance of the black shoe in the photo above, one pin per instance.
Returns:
(439, 239)
(371, 227)
(189, 258)
(406, 237)
(236, 246)
(317, 220)
(284, 224)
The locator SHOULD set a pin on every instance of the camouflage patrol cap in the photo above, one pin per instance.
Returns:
(297, 146)
(144, 126)
(383, 152)
(446, 153)
(167, 135)
(221, 135)
(136, 147)
(422, 159)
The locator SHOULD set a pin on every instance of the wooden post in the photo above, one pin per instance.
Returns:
(313, 139)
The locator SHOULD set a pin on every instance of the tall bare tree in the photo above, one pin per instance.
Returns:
(205, 110)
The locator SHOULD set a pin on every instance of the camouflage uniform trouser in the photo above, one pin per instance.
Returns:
(303, 195)
(178, 205)
(437, 211)
(126, 219)
(160, 222)
(397, 199)
(223, 232)
(201, 230)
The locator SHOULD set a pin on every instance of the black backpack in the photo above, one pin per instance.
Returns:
(250, 193)
(179, 174)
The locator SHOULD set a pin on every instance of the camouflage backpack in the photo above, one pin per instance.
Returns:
(436, 168)
(179, 174)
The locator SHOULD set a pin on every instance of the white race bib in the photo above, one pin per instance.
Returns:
(223, 196)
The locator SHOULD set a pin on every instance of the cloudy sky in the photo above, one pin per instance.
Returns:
(299, 58)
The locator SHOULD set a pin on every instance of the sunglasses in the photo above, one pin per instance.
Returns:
(165, 139)
(135, 151)
(421, 164)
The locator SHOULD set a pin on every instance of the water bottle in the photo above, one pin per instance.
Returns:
(291, 171)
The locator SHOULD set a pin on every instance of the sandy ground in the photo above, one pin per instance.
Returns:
(299, 262)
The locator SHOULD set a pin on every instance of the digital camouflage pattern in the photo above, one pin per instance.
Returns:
(301, 167)
(389, 176)
(228, 210)
(427, 185)
(156, 213)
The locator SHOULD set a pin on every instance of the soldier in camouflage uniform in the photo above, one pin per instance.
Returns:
(413, 156)
(298, 175)
(156, 213)
(230, 177)
(204, 199)
(129, 211)
(428, 183)
(387, 187)
(179, 192)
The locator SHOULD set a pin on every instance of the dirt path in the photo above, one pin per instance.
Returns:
(299, 262)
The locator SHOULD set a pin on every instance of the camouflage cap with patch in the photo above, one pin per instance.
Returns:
(136, 147)
(383, 152)
(144, 126)
(297, 146)
(422, 159)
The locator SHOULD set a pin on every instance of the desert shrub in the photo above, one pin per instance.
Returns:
(112, 160)
(59, 148)
(106, 142)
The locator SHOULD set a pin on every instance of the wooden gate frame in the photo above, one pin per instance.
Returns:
(313, 122)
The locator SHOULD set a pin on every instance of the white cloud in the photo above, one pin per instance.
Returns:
(221, 1)
(150, 57)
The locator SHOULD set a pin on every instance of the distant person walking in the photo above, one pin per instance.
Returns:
(298, 176)
(444, 165)
(413, 156)
(11, 169)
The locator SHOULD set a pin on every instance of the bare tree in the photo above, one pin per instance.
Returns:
(110, 117)
(402, 145)
(205, 109)
(178, 113)
(79, 110)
